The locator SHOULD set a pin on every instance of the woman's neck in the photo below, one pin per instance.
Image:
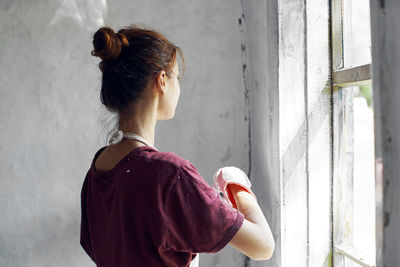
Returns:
(141, 120)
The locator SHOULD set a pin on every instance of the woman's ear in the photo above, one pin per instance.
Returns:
(160, 81)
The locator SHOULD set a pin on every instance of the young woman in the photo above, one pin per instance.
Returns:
(143, 207)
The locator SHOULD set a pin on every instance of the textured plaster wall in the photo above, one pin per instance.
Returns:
(260, 57)
(52, 120)
(386, 67)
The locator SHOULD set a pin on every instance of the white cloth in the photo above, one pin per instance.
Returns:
(231, 175)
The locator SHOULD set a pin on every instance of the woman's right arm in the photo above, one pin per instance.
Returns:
(254, 238)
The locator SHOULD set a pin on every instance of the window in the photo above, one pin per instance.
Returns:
(352, 133)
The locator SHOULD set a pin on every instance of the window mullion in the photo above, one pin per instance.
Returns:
(356, 76)
(353, 254)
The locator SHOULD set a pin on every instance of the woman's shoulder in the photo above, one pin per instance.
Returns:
(168, 164)
(170, 159)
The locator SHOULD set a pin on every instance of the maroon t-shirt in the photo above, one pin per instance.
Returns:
(152, 209)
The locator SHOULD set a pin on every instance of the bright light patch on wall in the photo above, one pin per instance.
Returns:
(89, 14)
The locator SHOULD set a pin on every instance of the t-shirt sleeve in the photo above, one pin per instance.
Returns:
(198, 220)
(85, 239)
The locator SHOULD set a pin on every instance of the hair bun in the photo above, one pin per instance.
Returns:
(108, 44)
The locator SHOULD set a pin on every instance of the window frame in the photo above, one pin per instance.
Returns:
(343, 78)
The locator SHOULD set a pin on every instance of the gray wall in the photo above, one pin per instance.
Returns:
(386, 68)
(52, 120)
(260, 55)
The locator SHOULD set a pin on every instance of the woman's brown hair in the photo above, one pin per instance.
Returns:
(130, 58)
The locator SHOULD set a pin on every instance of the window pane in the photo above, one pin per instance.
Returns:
(343, 166)
(364, 173)
(354, 175)
(350, 263)
(356, 33)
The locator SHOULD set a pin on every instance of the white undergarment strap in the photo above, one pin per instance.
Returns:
(119, 135)
(137, 138)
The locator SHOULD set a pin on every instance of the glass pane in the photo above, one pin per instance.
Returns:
(356, 33)
(354, 174)
(349, 263)
(364, 173)
(343, 160)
